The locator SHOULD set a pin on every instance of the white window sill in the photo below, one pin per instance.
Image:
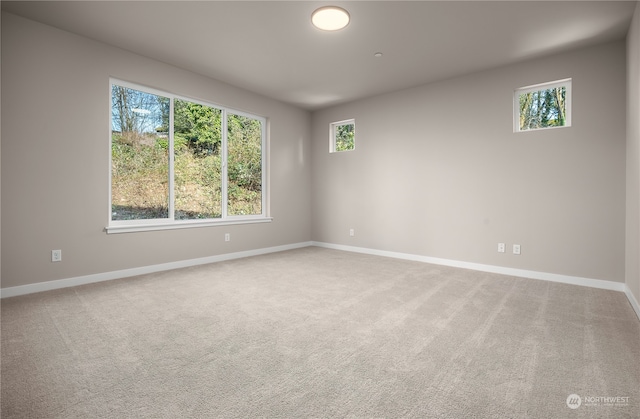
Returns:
(173, 225)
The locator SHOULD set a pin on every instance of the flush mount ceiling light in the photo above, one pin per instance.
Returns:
(330, 18)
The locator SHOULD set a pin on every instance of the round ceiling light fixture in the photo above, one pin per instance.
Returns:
(330, 18)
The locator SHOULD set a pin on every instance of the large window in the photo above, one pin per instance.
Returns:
(178, 162)
(546, 105)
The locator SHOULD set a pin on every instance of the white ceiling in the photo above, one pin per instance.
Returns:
(271, 48)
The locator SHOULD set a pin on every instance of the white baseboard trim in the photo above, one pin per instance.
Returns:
(125, 273)
(565, 279)
(632, 301)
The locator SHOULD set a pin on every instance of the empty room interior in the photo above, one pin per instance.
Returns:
(226, 209)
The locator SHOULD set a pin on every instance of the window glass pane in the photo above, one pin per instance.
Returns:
(198, 161)
(345, 135)
(139, 155)
(543, 108)
(244, 168)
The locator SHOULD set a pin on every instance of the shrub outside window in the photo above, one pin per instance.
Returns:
(546, 105)
(342, 136)
(178, 162)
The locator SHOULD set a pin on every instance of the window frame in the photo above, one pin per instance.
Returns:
(566, 83)
(332, 134)
(124, 226)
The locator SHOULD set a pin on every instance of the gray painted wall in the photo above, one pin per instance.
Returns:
(633, 157)
(429, 175)
(55, 154)
(438, 171)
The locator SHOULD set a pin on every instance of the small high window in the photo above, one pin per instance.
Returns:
(546, 105)
(342, 136)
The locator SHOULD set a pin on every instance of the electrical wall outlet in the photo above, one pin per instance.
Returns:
(56, 255)
(501, 247)
(352, 232)
(516, 249)
(227, 237)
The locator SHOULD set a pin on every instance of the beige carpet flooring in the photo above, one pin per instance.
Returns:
(319, 333)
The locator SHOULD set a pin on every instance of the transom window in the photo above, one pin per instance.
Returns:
(178, 162)
(546, 105)
(342, 136)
